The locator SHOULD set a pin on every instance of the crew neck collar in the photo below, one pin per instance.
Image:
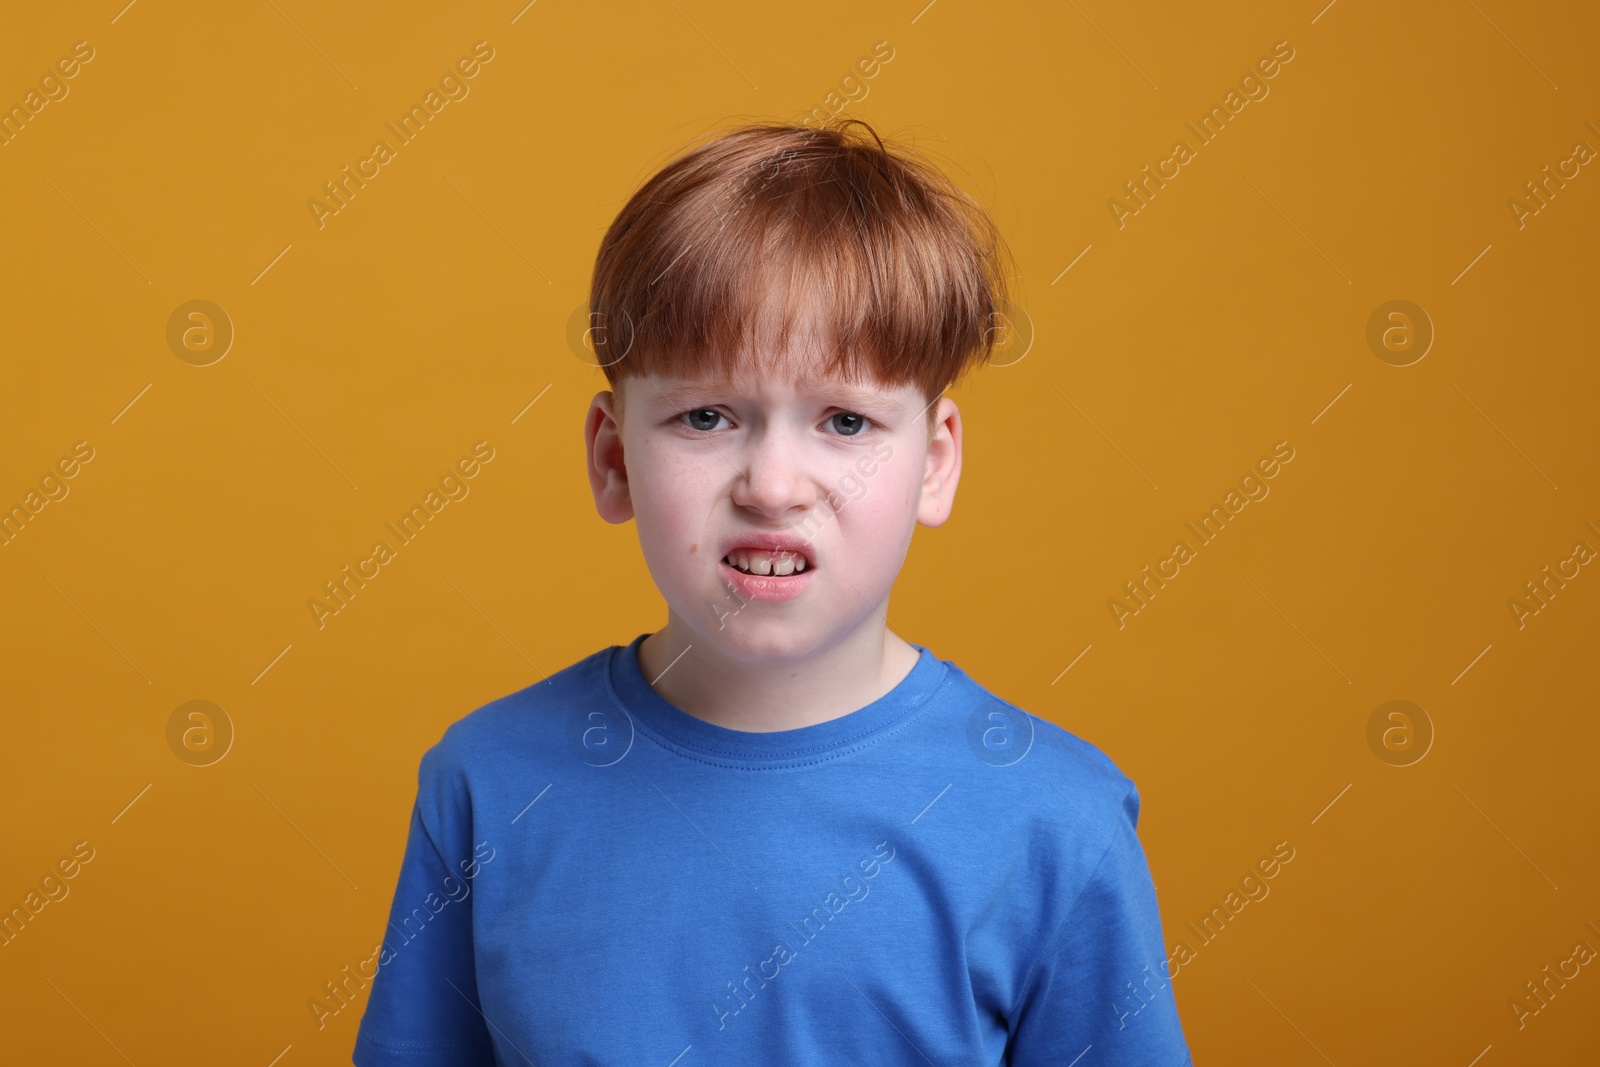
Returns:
(701, 740)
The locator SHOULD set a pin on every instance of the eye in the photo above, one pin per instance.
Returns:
(693, 417)
(704, 420)
(853, 426)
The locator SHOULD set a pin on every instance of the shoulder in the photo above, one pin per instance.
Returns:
(1046, 757)
(466, 778)
(529, 723)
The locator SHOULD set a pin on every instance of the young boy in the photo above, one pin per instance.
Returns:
(774, 831)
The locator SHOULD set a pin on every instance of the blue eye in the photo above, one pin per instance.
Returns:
(704, 420)
(857, 427)
(689, 418)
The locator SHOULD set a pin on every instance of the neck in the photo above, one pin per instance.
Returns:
(764, 693)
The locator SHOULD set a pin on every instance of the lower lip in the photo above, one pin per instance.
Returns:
(766, 587)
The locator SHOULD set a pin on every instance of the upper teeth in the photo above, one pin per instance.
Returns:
(755, 562)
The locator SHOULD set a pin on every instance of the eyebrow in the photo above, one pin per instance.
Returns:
(683, 394)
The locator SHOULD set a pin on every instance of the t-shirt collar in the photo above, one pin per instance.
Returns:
(698, 739)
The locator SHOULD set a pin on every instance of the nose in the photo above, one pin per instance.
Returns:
(774, 477)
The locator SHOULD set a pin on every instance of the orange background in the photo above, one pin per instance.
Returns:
(431, 311)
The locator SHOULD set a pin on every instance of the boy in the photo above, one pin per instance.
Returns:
(774, 831)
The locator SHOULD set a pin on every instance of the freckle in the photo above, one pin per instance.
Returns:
(694, 548)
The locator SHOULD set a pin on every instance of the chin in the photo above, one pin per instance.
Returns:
(772, 640)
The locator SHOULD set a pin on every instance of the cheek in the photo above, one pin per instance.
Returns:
(669, 505)
(877, 525)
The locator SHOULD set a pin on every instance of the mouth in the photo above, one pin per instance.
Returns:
(768, 561)
(764, 563)
(766, 574)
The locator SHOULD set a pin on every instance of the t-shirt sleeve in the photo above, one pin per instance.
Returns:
(1100, 988)
(423, 1007)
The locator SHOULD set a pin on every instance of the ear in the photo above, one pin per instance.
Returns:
(608, 475)
(943, 469)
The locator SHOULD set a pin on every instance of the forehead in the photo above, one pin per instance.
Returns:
(760, 384)
(774, 363)
(669, 392)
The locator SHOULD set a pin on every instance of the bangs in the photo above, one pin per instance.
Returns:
(879, 268)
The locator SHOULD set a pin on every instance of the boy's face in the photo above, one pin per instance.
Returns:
(846, 470)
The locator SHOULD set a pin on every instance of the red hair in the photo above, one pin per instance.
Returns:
(906, 270)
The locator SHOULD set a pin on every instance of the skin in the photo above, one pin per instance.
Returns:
(782, 444)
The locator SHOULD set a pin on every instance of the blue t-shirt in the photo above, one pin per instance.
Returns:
(596, 877)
